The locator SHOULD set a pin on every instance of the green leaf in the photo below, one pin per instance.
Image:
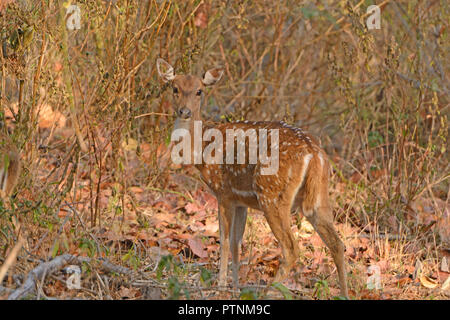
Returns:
(205, 276)
(55, 249)
(164, 263)
(339, 298)
(287, 294)
(174, 288)
(309, 12)
(6, 162)
(248, 294)
(375, 139)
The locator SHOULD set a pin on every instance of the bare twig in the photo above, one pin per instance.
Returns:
(11, 258)
(47, 268)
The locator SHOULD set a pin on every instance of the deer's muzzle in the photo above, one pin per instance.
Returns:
(184, 113)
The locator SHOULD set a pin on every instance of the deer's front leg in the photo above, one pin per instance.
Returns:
(225, 219)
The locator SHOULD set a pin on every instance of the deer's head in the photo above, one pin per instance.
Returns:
(187, 90)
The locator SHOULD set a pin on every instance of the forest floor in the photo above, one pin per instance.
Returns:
(165, 244)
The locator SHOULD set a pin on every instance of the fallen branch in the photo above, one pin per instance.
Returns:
(29, 286)
(108, 266)
(49, 267)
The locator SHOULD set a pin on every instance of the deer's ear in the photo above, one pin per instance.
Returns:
(212, 76)
(165, 70)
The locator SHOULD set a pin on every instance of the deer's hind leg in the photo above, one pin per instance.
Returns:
(279, 219)
(236, 232)
(318, 212)
(325, 228)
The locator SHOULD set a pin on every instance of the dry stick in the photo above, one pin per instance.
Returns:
(235, 98)
(11, 258)
(47, 268)
(3, 81)
(151, 114)
(68, 80)
(29, 286)
(36, 76)
(84, 226)
(40, 284)
(108, 266)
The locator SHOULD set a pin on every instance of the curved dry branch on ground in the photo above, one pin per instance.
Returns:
(49, 267)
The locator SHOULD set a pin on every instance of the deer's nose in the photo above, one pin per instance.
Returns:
(184, 113)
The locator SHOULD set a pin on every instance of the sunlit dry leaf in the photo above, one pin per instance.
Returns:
(62, 213)
(193, 207)
(370, 295)
(57, 66)
(403, 280)
(267, 240)
(197, 226)
(202, 15)
(428, 282)
(129, 144)
(128, 293)
(211, 228)
(162, 205)
(49, 118)
(134, 189)
(316, 241)
(306, 228)
(356, 177)
(271, 254)
(376, 174)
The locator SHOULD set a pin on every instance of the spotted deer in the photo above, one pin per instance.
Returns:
(300, 183)
(10, 166)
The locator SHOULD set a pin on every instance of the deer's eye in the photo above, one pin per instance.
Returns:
(175, 90)
(199, 92)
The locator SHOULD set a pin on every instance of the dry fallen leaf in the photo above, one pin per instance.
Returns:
(202, 16)
(128, 293)
(48, 117)
(211, 228)
(428, 282)
(129, 144)
(402, 280)
(197, 247)
(193, 207)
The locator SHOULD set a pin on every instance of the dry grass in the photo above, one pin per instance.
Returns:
(94, 173)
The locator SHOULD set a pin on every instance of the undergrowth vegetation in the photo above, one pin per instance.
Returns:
(93, 121)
